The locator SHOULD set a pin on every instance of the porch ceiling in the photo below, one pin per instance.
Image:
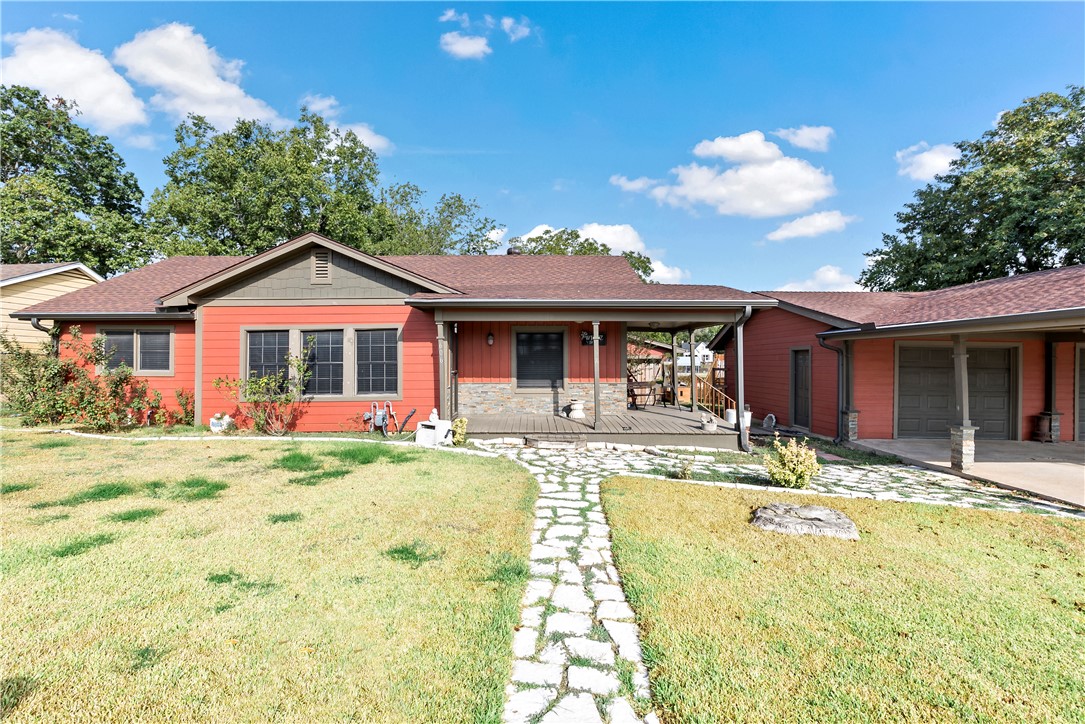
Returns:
(647, 320)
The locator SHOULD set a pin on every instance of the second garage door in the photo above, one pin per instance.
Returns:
(925, 398)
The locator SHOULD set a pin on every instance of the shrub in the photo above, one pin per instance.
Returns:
(272, 403)
(459, 431)
(46, 388)
(792, 465)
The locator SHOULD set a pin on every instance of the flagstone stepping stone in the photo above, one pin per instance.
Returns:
(587, 678)
(574, 709)
(805, 520)
(525, 704)
(529, 672)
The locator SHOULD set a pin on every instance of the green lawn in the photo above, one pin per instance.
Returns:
(245, 580)
(937, 614)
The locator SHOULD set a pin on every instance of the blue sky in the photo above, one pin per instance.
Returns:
(755, 145)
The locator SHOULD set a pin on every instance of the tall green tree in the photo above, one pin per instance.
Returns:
(247, 189)
(66, 195)
(1013, 202)
(569, 242)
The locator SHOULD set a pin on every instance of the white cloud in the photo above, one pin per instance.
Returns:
(667, 274)
(763, 183)
(463, 47)
(451, 16)
(619, 237)
(70, 16)
(748, 147)
(637, 185)
(828, 278)
(497, 234)
(145, 141)
(923, 162)
(538, 231)
(817, 224)
(784, 186)
(329, 107)
(516, 30)
(189, 76)
(812, 138)
(52, 62)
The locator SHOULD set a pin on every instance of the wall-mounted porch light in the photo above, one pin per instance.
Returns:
(490, 339)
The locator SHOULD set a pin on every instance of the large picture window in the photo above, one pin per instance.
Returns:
(145, 351)
(268, 352)
(325, 362)
(540, 360)
(376, 353)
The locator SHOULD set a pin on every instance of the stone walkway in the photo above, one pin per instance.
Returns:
(577, 651)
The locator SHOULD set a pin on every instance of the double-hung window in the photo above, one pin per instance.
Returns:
(145, 351)
(377, 361)
(325, 362)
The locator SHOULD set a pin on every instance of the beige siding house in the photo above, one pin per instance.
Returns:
(22, 285)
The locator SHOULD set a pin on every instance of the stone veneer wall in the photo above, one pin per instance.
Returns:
(496, 398)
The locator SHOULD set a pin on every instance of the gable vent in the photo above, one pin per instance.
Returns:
(321, 267)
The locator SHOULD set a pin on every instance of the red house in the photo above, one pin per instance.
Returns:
(994, 360)
(510, 339)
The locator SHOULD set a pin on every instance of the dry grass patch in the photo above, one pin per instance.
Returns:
(249, 598)
(938, 613)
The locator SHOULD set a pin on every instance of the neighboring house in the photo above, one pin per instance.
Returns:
(1014, 343)
(465, 334)
(23, 285)
(704, 356)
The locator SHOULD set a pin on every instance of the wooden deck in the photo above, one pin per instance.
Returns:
(652, 425)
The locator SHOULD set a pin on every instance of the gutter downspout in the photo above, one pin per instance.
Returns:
(740, 384)
(839, 389)
(53, 335)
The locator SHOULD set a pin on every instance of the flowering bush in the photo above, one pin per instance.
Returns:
(48, 389)
(792, 465)
(273, 403)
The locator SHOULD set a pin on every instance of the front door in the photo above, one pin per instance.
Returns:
(800, 388)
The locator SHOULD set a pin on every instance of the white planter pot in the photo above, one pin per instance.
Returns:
(576, 410)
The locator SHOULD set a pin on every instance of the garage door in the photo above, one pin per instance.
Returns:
(926, 399)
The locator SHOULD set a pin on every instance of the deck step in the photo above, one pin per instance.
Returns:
(556, 442)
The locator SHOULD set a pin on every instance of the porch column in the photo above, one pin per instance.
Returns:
(962, 436)
(1049, 427)
(595, 359)
(442, 372)
(740, 383)
(692, 374)
(674, 370)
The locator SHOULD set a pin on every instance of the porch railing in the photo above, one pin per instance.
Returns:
(713, 399)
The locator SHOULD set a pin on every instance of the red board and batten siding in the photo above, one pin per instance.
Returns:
(184, 355)
(769, 337)
(222, 355)
(480, 362)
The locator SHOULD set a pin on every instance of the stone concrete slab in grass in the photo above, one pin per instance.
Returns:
(614, 610)
(536, 590)
(571, 623)
(573, 709)
(529, 672)
(523, 643)
(607, 592)
(570, 573)
(805, 520)
(587, 678)
(523, 705)
(626, 637)
(565, 531)
(553, 654)
(597, 651)
(571, 597)
(621, 711)
(561, 503)
(540, 552)
(589, 557)
(531, 617)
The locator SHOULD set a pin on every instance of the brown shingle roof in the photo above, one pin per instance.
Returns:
(588, 291)
(487, 272)
(1041, 291)
(136, 291)
(14, 271)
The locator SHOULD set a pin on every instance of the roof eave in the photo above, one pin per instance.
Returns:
(54, 270)
(592, 303)
(1055, 318)
(107, 316)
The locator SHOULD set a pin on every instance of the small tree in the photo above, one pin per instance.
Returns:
(273, 403)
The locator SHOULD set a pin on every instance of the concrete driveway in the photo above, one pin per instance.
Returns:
(1055, 471)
